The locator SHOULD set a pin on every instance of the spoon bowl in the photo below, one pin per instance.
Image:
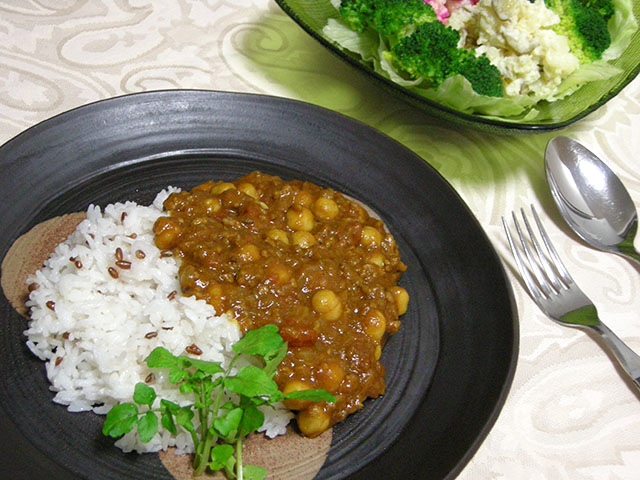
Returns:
(591, 198)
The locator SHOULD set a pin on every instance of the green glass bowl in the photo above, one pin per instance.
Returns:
(312, 16)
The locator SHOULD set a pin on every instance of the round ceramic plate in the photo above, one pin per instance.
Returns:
(448, 369)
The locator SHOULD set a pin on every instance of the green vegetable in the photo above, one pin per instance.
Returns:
(356, 13)
(218, 438)
(428, 52)
(605, 8)
(393, 18)
(432, 52)
(419, 45)
(584, 23)
(481, 74)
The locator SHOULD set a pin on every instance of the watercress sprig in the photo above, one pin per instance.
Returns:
(222, 427)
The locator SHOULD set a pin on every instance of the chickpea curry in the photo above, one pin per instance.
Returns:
(305, 258)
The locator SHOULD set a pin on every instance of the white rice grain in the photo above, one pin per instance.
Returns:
(95, 335)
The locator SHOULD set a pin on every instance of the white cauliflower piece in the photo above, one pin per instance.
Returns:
(517, 37)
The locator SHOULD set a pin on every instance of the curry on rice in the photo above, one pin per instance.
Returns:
(302, 257)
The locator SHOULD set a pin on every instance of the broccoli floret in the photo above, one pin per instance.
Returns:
(420, 45)
(388, 17)
(432, 52)
(604, 8)
(584, 23)
(482, 74)
(398, 18)
(357, 13)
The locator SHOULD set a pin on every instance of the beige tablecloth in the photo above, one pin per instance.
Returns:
(570, 414)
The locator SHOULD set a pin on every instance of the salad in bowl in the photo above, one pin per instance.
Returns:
(497, 59)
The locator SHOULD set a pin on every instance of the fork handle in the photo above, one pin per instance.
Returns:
(627, 358)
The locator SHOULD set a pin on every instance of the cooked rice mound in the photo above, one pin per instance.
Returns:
(105, 298)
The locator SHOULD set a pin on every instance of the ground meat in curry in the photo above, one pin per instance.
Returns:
(305, 258)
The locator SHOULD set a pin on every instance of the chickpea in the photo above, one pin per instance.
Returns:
(324, 301)
(377, 353)
(327, 304)
(313, 421)
(213, 205)
(333, 314)
(325, 208)
(174, 201)
(393, 326)
(303, 198)
(280, 273)
(214, 290)
(249, 189)
(167, 230)
(376, 259)
(222, 187)
(370, 236)
(248, 253)
(300, 218)
(303, 239)
(216, 297)
(204, 187)
(375, 324)
(278, 235)
(296, 386)
(402, 299)
(330, 375)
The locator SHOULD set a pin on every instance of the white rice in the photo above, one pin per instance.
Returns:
(95, 339)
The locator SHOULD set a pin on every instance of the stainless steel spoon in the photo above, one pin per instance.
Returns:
(591, 198)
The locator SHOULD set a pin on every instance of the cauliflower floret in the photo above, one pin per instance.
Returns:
(517, 38)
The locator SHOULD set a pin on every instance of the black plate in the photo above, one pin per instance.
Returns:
(448, 369)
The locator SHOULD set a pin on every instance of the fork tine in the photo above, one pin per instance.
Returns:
(545, 285)
(532, 285)
(548, 269)
(566, 277)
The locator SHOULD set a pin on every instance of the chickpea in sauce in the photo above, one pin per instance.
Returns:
(302, 257)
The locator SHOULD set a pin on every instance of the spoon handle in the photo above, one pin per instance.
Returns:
(627, 358)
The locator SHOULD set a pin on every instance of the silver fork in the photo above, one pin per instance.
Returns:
(557, 295)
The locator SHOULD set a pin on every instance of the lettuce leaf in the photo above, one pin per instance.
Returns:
(599, 70)
(364, 44)
(621, 26)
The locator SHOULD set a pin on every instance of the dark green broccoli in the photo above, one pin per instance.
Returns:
(483, 76)
(398, 18)
(584, 23)
(388, 17)
(357, 13)
(420, 45)
(431, 51)
(604, 7)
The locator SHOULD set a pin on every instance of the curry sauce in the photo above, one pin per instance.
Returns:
(302, 257)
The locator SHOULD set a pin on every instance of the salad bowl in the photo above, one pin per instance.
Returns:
(313, 15)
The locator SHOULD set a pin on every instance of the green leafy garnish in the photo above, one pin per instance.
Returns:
(218, 438)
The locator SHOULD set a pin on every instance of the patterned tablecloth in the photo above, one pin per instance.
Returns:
(570, 414)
